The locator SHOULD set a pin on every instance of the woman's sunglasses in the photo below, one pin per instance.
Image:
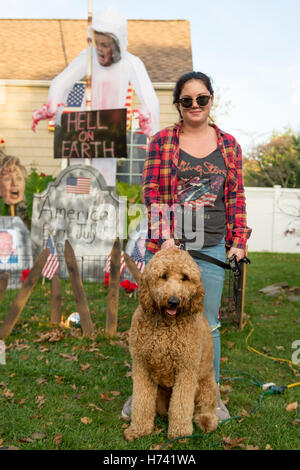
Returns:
(188, 102)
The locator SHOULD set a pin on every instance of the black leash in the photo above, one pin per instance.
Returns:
(233, 264)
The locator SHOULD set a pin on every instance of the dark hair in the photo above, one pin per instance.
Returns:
(191, 76)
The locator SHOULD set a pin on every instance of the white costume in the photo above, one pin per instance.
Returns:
(110, 83)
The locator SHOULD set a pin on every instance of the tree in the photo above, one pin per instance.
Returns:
(276, 162)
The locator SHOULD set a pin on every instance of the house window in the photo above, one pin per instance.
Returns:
(130, 169)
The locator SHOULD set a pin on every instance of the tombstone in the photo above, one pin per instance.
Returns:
(81, 208)
(15, 250)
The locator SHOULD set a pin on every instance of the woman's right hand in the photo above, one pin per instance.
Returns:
(168, 243)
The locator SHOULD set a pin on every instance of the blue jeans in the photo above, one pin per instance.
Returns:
(213, 280)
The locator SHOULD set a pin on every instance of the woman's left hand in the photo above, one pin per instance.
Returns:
(238, 252)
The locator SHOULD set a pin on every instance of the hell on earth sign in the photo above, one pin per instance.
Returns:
(91, 134)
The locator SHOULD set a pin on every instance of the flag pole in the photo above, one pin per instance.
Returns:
(88, 103)
(89, 56)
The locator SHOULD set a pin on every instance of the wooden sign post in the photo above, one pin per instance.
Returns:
(132, 268)
(24, 294)
(113, 290)
(80, 298)
(55, 300)
(3, 284)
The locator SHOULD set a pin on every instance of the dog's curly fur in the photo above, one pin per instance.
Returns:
(172, 353)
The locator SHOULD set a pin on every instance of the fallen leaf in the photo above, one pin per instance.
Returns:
(69, 357)
(22, 401)
(250, 447)
(95, 407)
(58, 439)
(37, 436)
(7, 393)
(1, 442)
(84, 367)
(86, 420)
(296, 422)
(116, 393)
(229, 443)
(40, 400)
(106, 396)
(268, 447)
(158, 446)
(224, 359)
(26, 440)
(41, 381)
(224, 389)
(58, 379)
(292, 406)
(230, 344)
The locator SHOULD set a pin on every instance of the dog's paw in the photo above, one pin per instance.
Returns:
(133, 433)
(180, 430)
(207, 422)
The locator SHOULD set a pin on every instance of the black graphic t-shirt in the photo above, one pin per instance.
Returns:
(201, 196)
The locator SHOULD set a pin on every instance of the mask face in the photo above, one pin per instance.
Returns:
(12, 185)
(103, 46)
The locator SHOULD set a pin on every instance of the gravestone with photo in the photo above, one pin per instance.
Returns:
(15, 250)
(81, 208)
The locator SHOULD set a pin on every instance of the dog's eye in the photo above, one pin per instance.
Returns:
(185, 278)
(164, 276)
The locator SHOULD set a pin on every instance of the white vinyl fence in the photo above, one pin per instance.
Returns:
(274, 216)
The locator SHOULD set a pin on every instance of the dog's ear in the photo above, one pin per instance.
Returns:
(146, 301)
(198, 301)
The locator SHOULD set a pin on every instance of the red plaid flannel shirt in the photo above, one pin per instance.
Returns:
(160, 187)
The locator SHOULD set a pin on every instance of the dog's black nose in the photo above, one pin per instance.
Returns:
(173, 301)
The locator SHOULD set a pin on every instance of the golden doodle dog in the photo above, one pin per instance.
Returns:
(172, 349)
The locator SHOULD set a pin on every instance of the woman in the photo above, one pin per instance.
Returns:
(196, 167)
(12, 180)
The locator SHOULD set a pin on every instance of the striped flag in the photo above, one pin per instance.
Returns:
(52, 265)
(137, 257)
(106, 268)
(78, 185)
(128, 105)
(139, 263)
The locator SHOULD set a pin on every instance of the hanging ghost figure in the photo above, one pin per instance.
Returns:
(113, 68)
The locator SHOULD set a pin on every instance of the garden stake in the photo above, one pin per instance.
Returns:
(24, 294)
(3, 284)
(132, 268)
(55, 300)
(80, 298)
(113, 290)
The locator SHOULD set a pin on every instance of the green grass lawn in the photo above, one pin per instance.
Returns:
(59, 390)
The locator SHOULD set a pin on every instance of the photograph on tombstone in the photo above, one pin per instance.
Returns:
(15, 249)
(8, 247)
(12, 180)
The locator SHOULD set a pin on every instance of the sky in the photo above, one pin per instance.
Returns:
(250, 49)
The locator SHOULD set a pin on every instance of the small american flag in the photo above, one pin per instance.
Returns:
(78, 185)
(137, 257)
(106, 268)
(52, 265)
(76, 95)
